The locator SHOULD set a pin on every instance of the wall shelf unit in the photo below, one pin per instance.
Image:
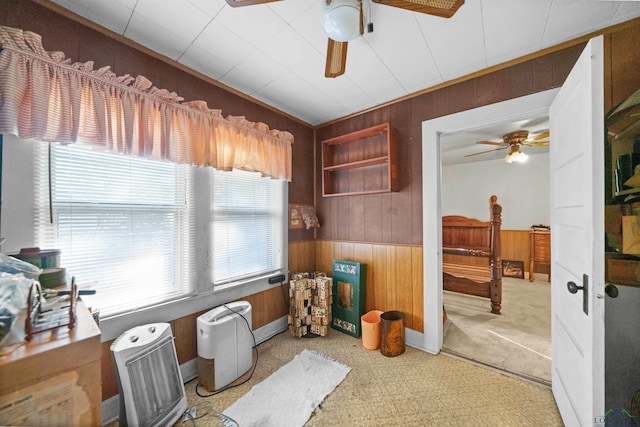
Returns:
(360, 162)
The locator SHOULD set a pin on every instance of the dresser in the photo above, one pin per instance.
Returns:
(539, 251)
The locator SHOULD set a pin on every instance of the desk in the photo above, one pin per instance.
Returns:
(56, 375)
(539, 250)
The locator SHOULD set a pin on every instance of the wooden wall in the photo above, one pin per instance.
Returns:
(82, 41)
(383, 230)
(388, 227)
(394, 275)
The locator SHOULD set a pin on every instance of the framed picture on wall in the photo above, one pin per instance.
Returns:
(295, 216)
(513, 269)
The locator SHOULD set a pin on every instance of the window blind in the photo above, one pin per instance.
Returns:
(248, 225)
(124, 224)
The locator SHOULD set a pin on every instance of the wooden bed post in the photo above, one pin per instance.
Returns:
(496, 258)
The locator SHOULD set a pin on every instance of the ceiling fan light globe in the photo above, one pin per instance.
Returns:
(342, 20)
(516, 156)
(508, 158)
(520, 157)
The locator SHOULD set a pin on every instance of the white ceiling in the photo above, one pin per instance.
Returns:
(275, 52)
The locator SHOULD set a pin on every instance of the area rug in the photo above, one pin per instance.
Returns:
(288, 397)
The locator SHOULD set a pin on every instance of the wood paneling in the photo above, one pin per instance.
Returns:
(268, 306)
(302, 257)
(515, 245)
(186, 337)
(396, 219)
(109, 384)
(394, 275)
(625, 60)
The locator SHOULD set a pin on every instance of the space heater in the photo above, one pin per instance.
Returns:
(225, 341)
(149, 380)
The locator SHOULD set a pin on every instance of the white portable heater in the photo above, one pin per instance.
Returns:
(149, 380)
(225, 341)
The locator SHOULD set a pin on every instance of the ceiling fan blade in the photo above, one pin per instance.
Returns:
(484, 152)
(491, 143)
(441, 8)
(240, 3)
(536, 144)
(336, 59)
(541, 136)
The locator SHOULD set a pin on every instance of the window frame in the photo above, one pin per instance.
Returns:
(17, 227)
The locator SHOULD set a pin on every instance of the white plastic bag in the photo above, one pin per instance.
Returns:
(9, 264)
(14, 296)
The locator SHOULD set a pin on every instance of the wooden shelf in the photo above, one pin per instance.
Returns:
(360, 162)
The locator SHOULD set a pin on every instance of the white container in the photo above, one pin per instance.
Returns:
(225, 343)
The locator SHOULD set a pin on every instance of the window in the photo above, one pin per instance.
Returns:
(124, 224)
(248, 232)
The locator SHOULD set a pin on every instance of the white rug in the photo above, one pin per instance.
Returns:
(289, 396)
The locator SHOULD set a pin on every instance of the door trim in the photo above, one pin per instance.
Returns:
(526, 107)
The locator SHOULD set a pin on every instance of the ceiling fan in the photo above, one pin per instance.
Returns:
(513, 141)
(344, 21)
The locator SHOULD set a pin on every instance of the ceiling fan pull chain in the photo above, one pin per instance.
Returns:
(361, 19)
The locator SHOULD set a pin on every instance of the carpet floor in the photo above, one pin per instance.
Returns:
(518, 340)
(412, 389)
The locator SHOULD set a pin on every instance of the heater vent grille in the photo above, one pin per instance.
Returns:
(149, 380)
(155, 382)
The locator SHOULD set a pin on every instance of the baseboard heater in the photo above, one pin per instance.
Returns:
(225, 343)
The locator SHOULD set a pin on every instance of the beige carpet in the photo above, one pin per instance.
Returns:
(412, 389)
(518, 340)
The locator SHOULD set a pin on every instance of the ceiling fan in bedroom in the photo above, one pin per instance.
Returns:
(513, 141)
(344, 21)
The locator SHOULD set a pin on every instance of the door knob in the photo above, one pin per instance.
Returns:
(573, 288)
(611, 291)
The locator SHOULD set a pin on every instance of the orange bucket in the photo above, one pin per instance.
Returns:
(371, 329)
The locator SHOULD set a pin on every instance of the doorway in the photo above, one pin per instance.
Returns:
(519, 340)
(519, 109)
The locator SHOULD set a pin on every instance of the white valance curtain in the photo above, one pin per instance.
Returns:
(44, 96)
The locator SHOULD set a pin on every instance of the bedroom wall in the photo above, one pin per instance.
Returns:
(522, 190)
(390, 223)
(382, 229)
(86, 42)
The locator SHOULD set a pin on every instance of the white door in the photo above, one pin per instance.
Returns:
(577, 241)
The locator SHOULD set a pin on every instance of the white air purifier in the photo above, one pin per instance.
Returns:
(149, 380)
(225, 341)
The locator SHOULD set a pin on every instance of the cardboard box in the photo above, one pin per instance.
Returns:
(613, 225)
(623, 271)
(630, 235)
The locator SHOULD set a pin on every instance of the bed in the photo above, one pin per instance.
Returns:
(471, 255)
